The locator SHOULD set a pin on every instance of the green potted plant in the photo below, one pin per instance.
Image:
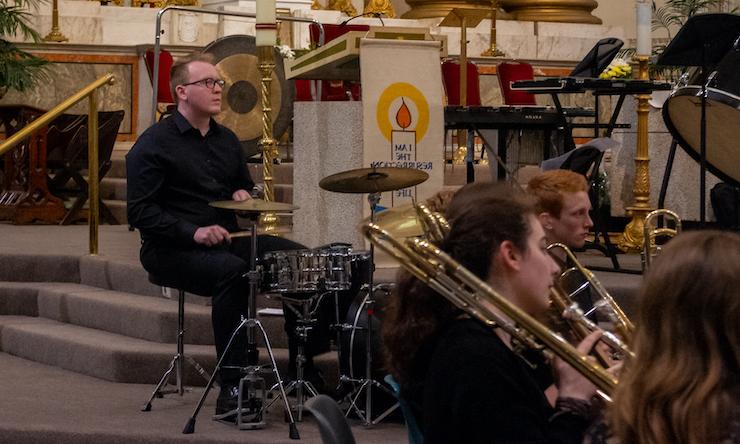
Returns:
(669, 18)
(19, 70)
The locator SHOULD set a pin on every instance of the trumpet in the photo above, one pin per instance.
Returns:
(652, 230)
(469, 293)
(622, 325)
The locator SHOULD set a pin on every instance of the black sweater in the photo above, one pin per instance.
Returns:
(476, 390)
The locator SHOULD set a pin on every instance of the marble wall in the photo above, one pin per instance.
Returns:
(683, 190)
(66, 78)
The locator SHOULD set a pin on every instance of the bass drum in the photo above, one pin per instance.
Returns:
(353, 338)
(353, 357)
(682, 115)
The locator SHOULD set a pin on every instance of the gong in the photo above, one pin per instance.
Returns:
(235, 57)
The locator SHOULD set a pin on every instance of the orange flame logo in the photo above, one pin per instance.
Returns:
(403, 116)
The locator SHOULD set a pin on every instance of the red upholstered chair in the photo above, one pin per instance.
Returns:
(164, 95)
(511, 72)
(451, 81)
(336, 90)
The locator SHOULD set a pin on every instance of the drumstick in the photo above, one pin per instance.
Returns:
(240, 234)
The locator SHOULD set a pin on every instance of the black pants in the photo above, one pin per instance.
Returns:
(218, 272)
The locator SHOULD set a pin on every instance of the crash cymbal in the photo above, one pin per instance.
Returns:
(253, 206)
(373, 180)
(399, 222)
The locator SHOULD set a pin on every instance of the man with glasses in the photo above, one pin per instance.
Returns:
(174, 170)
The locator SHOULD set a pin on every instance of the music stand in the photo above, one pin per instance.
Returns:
(702, 41)
(600, 56)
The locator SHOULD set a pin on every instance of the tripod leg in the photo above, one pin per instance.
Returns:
(162, 382)
(190, 425)
(667, 174)
(293, 433)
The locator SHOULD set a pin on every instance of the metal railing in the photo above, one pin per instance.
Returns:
(158, 34)
(92, 145)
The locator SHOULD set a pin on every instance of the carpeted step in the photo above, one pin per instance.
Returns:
(136, 316)
(113, 188)
(114, 357)
(39, 268)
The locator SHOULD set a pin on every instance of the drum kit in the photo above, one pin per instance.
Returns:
(301, 279)
(704, 116)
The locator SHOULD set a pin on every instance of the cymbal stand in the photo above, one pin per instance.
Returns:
(368, 383)
(305, 323)
(252, 379)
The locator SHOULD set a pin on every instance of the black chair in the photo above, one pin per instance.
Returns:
(67, 158)
(178, 360)
(333, 426)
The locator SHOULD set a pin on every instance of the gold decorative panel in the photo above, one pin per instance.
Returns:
(569, 11)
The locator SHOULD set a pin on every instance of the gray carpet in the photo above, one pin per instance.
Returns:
(40, 403)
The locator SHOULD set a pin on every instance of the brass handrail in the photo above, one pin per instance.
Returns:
(92, 145)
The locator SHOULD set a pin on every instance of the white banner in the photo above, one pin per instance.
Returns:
(403, 112)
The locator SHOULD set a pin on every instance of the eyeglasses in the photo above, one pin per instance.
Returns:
(208, 83)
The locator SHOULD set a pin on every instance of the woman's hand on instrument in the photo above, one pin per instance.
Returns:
(571, 384)
(240, 195)
(211, 235)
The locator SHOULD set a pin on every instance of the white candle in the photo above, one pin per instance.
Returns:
(266, 32)
(644, 23)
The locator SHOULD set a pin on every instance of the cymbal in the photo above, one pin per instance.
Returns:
(399, 222)
(253, 206)
(373, 180)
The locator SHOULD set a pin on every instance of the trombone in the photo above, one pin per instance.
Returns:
(623, 326)
(433, 224)
(469, 293)
(653, 228)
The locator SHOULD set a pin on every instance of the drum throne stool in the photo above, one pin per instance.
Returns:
(177, 365)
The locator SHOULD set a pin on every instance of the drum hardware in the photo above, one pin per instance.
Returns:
(370, 181)
(704, 39)
(252, 383)
(304, 323)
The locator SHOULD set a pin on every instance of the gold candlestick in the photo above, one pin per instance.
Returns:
(632, 238)
(492, 51)
(55, 35)
(268, 221)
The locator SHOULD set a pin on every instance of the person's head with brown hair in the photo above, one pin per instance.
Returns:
(683, 385)
(494, 233)
(196, 86)
(562, 206)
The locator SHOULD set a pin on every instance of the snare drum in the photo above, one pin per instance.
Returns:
(307, 271)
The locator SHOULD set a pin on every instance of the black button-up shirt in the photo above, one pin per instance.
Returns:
(174, 172)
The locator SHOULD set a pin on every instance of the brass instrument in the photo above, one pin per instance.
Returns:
(582, 326)
(469, 293)
(622, 325)
(651, 231)
(433, 224)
